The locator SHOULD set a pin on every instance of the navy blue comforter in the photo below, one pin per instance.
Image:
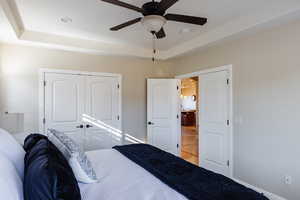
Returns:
(193, 182)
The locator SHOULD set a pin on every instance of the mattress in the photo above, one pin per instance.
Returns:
(122, 179)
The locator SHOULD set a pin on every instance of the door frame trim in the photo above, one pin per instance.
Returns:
(42, 73)
(227, 68)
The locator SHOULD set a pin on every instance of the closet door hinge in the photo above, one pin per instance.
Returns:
(228, 163)
(44, 83)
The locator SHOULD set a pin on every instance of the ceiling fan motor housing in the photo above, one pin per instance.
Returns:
(152, 8)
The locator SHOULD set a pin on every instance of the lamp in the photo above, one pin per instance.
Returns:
(153, 23)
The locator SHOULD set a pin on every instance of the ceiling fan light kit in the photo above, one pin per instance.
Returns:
(153, 23)
(154, 17)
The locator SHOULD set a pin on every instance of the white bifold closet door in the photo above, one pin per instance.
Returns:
(65, 104)
(102, 112)
(84, 107)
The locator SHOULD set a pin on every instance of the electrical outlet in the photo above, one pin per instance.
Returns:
(288, 180)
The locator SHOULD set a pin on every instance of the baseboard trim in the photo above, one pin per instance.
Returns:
(270, 195)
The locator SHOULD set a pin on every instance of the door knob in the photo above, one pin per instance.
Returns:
(80, 126)
(89, 126)
(150, 123)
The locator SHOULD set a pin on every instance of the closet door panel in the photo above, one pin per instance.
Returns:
(102, 113)
(64, 104)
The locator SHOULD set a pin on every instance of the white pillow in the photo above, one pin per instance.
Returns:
(11, 185)
(10, 148)
(77, 159)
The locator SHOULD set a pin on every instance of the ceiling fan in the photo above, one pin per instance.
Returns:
(154, 17)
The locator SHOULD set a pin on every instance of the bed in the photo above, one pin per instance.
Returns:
(40, 170)
(144, 172)
(122, 179)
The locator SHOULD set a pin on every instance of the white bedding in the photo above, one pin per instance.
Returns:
(122, 179)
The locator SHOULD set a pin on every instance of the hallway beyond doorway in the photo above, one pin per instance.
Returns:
(189, 144)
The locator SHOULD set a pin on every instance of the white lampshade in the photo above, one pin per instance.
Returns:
(153, 22)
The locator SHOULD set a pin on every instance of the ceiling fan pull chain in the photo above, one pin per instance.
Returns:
(154, 46)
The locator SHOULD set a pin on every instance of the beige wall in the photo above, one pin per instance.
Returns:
(266, 85)
(188, 87)
(0, 74)
(190, 91)
(19, 81)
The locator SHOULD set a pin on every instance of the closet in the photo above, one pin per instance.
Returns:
(85, 106)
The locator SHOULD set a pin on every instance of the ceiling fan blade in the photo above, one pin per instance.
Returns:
(116, 28)
(165, 4)
(125, 5)
(160, 34)
(186, 19)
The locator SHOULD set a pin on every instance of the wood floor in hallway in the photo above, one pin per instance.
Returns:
(189, 144)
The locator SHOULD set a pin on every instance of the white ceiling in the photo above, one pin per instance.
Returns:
(6, 32)
(91, 20)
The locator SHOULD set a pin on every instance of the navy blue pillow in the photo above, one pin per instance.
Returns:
(47, 175)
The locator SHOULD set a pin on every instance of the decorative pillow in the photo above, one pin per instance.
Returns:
(76, 157)
(10, 148)
(11, 186)
(47, 172)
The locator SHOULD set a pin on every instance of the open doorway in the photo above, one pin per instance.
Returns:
(212, 133)
(189, 120)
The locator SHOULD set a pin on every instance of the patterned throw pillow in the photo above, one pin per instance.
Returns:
(80, 164)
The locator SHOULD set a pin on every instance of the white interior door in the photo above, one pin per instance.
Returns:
(163, 114)
(64, 104)
(214, 129)
(102, 117)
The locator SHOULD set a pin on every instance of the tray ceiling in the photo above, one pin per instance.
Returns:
(88, 23)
